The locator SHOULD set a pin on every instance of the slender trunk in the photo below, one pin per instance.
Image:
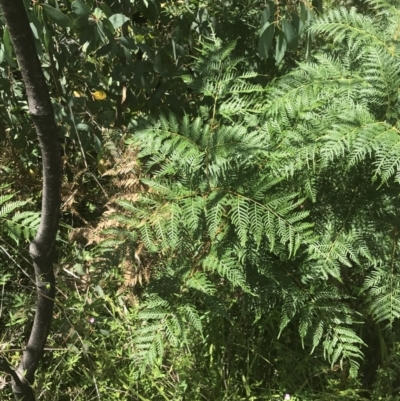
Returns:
(42, 247)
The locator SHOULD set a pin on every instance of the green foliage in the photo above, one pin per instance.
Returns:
(250, 244)
(292, 187)
(15, 223)
(285, 25)
(17, 226)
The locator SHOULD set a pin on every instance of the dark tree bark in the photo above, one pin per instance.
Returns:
(42, 247)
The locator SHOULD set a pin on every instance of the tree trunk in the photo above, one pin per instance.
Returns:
(42, 247)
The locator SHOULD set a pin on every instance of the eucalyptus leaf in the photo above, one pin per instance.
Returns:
(83, 127)
(289, 31)
(118, 20)
(268, 13)
(34, 30)
(265, 15)
(298, 24)
(81, 22)
(97, 143)
(8, 48)
(128, 43)
(80, 8)
(281, 46)
(106, 10)
(57, 16)
(265, 40)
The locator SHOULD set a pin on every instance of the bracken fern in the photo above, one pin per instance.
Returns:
(285, 196)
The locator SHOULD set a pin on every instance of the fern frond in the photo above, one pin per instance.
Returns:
(342, 24)
(342, 344)
(228, 267)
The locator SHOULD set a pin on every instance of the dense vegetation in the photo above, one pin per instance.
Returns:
(230, 200)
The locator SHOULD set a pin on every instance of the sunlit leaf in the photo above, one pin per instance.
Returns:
(118, 20)
(99, 95)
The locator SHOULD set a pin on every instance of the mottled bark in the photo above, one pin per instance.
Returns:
(42, 247)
